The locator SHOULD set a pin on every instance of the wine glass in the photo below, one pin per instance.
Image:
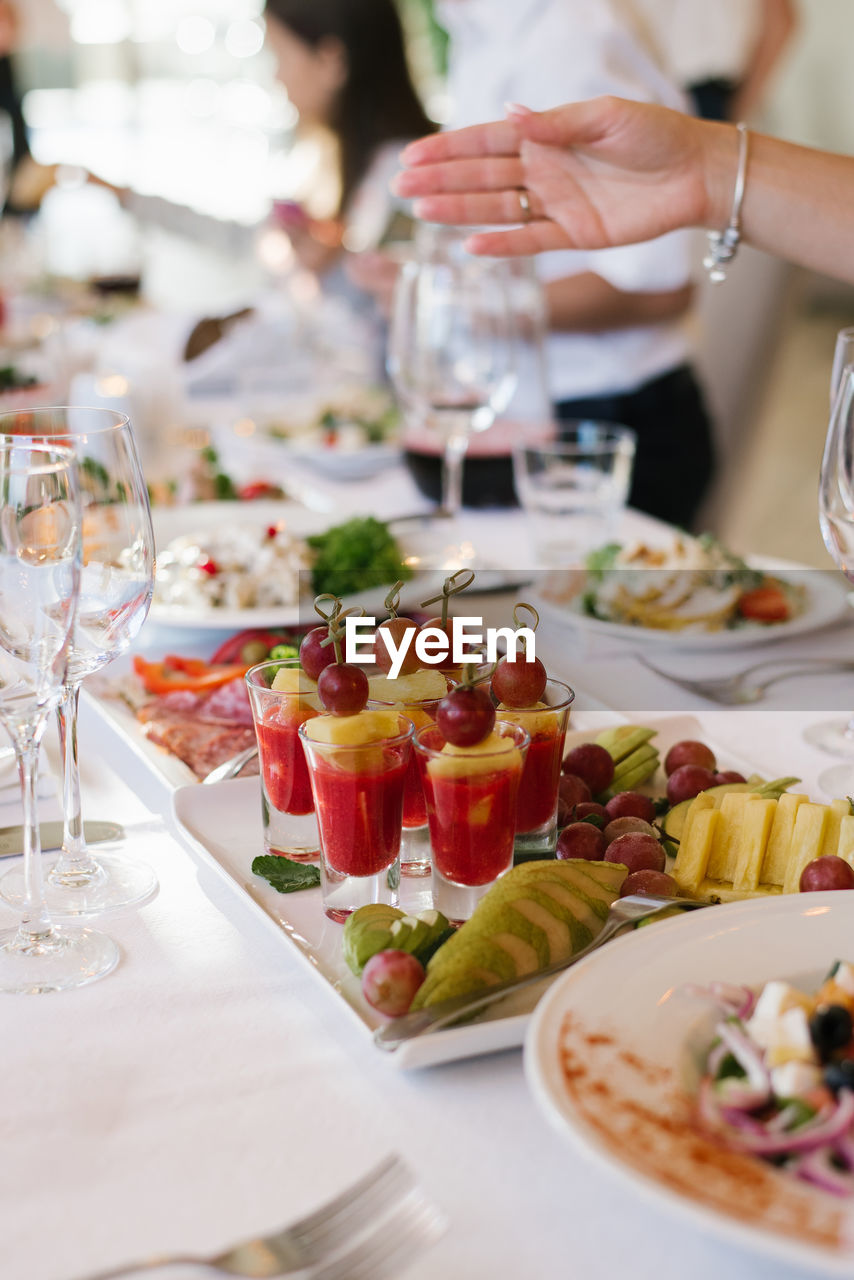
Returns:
(117, 580)
(834, 736)
(836, 510)
(451, 353)
(40, 546)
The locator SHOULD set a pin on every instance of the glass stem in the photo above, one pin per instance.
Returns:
(456, 447)
(849, 730)
(74, 864)
(35, 924)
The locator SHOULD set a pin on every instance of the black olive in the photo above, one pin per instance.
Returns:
(839, 1075)
(830, 1028)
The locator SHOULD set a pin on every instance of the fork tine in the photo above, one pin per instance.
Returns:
(325, 1230)
(414, 1224)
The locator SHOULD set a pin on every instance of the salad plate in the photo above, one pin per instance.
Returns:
(238, 539)
(824, 599)
(207, 520)
(614, 1053)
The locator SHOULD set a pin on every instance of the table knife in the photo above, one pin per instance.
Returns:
(12, 838)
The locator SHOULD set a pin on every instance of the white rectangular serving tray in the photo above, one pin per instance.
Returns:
(222, 824)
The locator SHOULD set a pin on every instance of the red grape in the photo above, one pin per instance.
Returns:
(436, 624)
(729, 775)
(343, 689)
(581, 840)
(689, 752)
(565, 813)
(688, 781)
(658, 883)
(630, 804)
(592, 763)
(637, 852)
(622, 826)
(829, 872)
(573, 790)
(390, 980)
(397, 628)
(465, 716)
(590, 809)
(519, 683)
(312, 658)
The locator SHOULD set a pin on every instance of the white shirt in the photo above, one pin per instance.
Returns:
(696, 40)
(543, 53)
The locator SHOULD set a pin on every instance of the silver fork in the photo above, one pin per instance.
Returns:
(624, 911)
(309, 1240)
(739, 689)
(397, 1241)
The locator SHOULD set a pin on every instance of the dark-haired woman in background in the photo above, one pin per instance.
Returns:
(343, 63)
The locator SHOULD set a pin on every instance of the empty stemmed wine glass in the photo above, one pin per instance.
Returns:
(835, 736)
(836, 509)
(40, 544)
(117, 577)
(451, 352)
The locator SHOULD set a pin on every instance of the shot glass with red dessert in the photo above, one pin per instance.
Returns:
(471, 767)
(357, 755)
(416, 692)
(283, 697)
(526, 696)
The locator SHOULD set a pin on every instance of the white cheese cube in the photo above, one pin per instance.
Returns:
(794, 1079)
(774, 1000)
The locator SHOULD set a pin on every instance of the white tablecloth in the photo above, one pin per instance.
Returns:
(210, 1089)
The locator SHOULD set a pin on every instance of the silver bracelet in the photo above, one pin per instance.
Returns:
(723, 245)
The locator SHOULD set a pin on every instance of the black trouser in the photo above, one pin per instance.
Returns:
(675, 453)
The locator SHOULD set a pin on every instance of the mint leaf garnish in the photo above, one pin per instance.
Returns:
(284, 875)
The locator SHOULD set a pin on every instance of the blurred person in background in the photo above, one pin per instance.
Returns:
(344, 66)
(617, 349)
(16, 148)
(723, 54)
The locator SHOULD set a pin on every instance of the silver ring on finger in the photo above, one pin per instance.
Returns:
(524, 204)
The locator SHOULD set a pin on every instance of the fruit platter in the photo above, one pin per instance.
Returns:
(634, 809)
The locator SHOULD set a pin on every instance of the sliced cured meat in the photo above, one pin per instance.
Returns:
(201, 744)
(203, 730)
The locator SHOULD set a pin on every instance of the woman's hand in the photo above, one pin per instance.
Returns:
(598, 173)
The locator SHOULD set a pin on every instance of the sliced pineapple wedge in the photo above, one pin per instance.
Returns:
(293, 680)
(427, 685)
(539, 720)
(355, 731)
(493, 753)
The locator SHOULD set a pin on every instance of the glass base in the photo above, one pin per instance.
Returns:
(457, 901)
(833, 736)
(343, 894)
(838, 781)
(58, 962)
(293, 836)
(415, 851)
(541, 842)
(117, 884)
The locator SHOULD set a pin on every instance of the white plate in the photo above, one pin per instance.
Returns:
(613, 1047)
(349, 464)
(827, 602)
(224, 823)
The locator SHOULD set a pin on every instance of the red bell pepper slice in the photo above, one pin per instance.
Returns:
(185, 673)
